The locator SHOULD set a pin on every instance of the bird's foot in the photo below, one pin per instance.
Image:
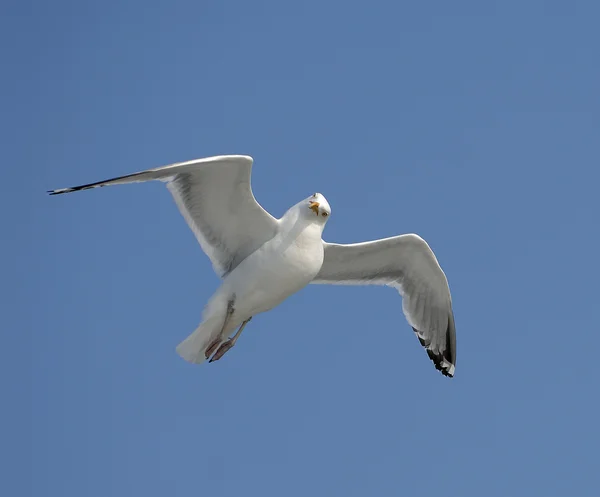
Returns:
(225, 346)
(212, 347)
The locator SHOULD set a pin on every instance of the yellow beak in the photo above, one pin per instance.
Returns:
(314, 206)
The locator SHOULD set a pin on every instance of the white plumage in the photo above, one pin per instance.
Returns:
(264, 260)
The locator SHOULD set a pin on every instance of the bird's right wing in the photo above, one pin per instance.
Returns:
(215, 198)
(406, 263)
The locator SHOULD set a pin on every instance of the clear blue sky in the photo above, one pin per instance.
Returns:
(474, 124)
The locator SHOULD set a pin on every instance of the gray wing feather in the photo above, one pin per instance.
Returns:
(215, 198)
(407, 263)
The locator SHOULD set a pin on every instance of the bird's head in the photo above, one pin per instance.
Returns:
(318, 206)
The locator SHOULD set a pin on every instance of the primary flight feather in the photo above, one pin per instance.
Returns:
(263, 260)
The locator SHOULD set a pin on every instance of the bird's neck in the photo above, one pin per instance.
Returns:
(296, 225)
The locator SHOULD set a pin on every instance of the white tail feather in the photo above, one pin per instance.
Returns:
(192, 349)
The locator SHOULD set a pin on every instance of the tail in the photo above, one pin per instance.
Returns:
(193, 347)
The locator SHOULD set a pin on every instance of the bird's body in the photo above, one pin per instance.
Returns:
(264, 260)
(275, 271)
(279, 268)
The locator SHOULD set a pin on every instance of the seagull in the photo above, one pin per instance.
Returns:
(263, 260)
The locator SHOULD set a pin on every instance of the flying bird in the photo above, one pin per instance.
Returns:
(263, 260)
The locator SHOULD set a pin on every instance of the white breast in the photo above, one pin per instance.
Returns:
(280, 268)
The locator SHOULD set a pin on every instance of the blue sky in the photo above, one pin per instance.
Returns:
(473, 124)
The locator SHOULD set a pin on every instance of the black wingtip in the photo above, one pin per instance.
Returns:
(441, 364)
(443, 360)
(60, 191)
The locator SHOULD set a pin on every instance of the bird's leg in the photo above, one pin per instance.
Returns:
(239, 331)
(225, 346)
(217, 341)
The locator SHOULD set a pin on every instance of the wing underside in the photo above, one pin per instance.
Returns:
(215, 197)
(408, 264)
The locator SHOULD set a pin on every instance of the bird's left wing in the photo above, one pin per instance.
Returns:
(407, 263)
(215, 198)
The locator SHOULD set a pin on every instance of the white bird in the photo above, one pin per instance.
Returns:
(263, 260)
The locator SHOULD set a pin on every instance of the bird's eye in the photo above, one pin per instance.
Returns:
(314, 195)
(324, 214)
